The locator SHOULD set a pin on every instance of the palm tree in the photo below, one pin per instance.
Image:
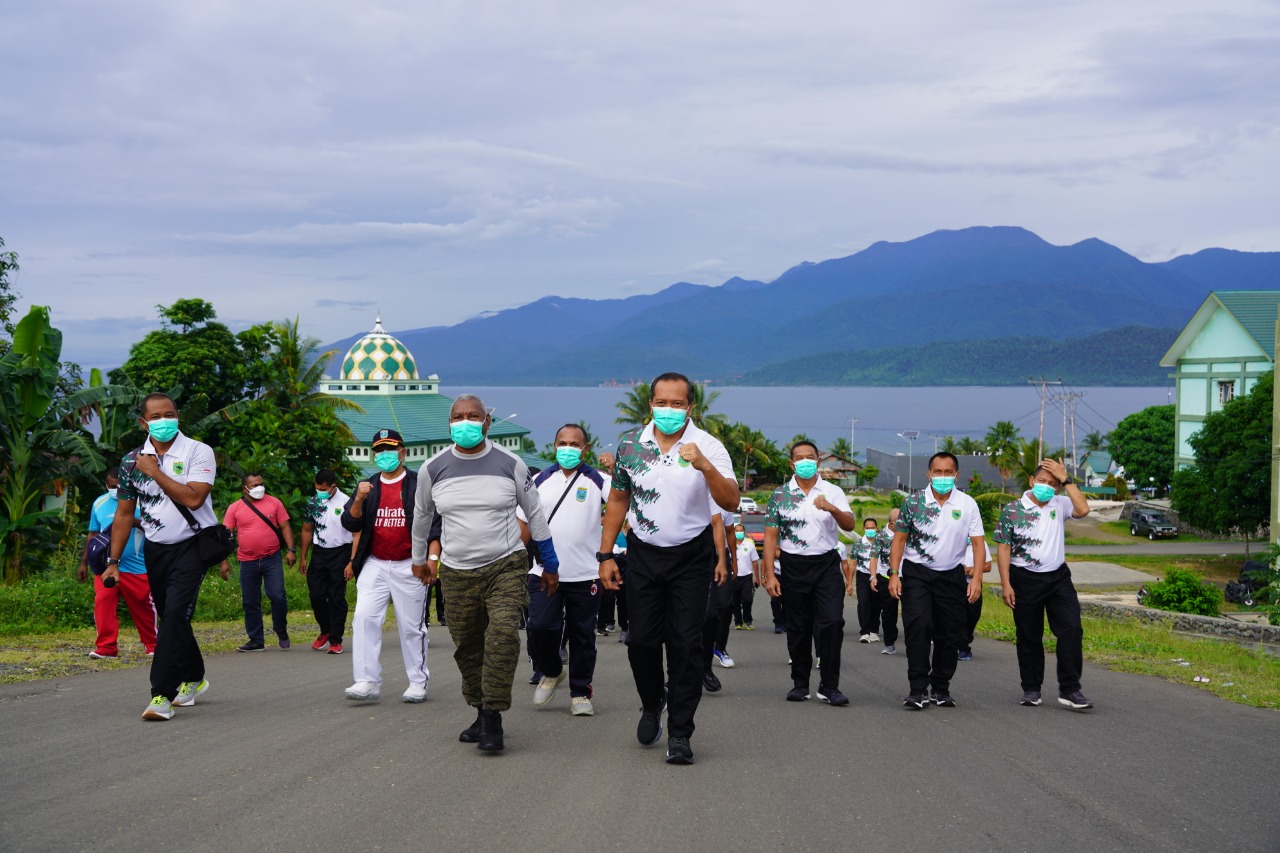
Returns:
(748, 448)
(1026, 459)
(949, 445)
(968, 446)
(1095, 441)
(841, 449)
(1002, 447)
(296, 368)
(633, 409)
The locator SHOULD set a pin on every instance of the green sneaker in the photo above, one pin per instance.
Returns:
(159, 709)
(188, 691)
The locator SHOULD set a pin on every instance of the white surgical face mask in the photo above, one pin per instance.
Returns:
(257, 492)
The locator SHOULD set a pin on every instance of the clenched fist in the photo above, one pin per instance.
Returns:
(362, 490)
(692, 454)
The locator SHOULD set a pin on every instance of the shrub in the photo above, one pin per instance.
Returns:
(989, 505)
(1182, 591)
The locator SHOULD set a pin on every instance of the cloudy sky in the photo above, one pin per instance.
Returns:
(442, 159)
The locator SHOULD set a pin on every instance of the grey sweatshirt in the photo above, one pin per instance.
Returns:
(476, 498)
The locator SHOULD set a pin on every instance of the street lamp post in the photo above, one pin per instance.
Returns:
(910, 435)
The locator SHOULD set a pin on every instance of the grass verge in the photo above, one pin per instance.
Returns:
(1121, 528)
(1235, 673)
(1209, 567)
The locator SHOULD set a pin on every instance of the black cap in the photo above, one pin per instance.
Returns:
(387, 438)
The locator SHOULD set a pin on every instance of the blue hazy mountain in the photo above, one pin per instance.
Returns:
(975, 284)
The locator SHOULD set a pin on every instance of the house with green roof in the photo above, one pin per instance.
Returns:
(1228, 344)
(381, 375)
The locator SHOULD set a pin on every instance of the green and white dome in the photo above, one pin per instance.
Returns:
(378, 356)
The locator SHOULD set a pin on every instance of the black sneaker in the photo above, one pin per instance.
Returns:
(832, 696)
(678, 751)
(710, 682)
(1075, 700)
(916, 702)
(251, 646)
(943, 699)
(490, 735)
(797, 694)
(1031, 697)
(649, 729)
(471, 734)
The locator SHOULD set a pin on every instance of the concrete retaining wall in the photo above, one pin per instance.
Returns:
(1265, 636)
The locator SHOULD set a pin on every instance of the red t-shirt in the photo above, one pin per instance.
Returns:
(254, 537)
(391, 540)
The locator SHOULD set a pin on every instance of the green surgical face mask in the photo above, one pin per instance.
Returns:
(322, 494)
(806, 468)
(387, 461)
(870, 532)
(466, 434)
(163, 429)
(943, 485)
(739, 535)
(568, 457)
(1042, 492)
(669, 420)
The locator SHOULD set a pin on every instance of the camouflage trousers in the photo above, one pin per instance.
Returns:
(483, 608)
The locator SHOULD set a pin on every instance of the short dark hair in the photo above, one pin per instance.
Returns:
(1040, 468)
(942, 454)
(244, 478)
(791, 451)
(154, 395)
(670, 376)
(586, 436)
(870, 519)
(113, 471)
(325, 477)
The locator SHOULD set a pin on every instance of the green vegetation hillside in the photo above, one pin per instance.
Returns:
(1124, 356)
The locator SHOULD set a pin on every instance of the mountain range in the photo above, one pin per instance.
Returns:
(977, 290)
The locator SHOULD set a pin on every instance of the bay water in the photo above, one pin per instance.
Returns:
(824, 413)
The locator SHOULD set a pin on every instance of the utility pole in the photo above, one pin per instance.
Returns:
(853, 422)
(1042, 385)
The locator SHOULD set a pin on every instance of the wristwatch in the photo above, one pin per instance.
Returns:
(603, 557)
(113, 561)
(1068, 482)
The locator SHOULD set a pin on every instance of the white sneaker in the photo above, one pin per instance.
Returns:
(873, 637)
(415, 694)
(189, 690)
(581, 706)
(546, 688)
(888, 650)
(363, 691)
(159, 709)
(864, 638)
(723, 659)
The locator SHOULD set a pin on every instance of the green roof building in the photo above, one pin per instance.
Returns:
(381, 375)
(1227, 345)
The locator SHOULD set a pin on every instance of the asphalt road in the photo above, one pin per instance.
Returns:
(273, 758)
(1170, 547)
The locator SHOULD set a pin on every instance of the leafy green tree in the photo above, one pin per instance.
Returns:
(202, 356)
(868, 474)
(968, 446)
(8, 264)
(1144, 444)
(950, 445)
(42, 440)
(841, 449)
(748, 449)
(1229, 487)
(1094, 441)
(633, 409)
(1002, 448)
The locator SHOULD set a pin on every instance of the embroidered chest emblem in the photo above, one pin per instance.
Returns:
(179, 467)
(581, 494)
(682, 462)
(955, 513)
(1053, 514)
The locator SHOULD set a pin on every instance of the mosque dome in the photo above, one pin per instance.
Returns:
(379, 356)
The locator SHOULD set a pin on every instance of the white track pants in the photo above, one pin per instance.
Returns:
(381, 581)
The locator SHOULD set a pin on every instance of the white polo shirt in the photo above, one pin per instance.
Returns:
(187, 461)
(746, 557)
(325, 517)
(937, 534)
(1035, 535)
(804, 529)
(968, 554)
(575, 529)
(669, 500)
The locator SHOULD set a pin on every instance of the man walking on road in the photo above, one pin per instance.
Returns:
(1031, 555)
(667, 475)
(378, 514)
(746, 579)
(884, 603)
(474, 488)
(261, 525)
(572, 494)
(133, 585)
(803, 522)
(928, 558)
(865, 555)
(328, 567)
(168, 480)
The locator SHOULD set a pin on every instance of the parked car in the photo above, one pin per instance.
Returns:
(753, 524)
(746, 504)
(1154, 524)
